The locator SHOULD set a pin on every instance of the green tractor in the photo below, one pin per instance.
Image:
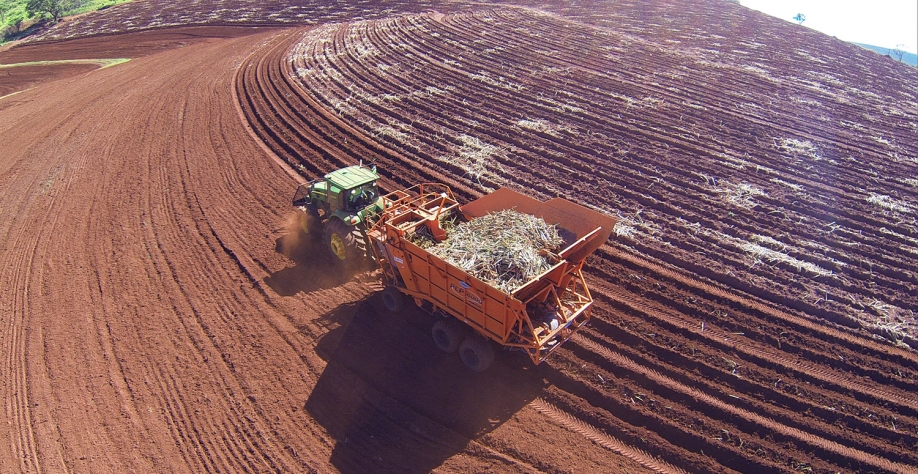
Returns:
(341, 203)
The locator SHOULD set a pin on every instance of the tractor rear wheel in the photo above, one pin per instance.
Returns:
(345, 242)
(476, 353)
(447, 334)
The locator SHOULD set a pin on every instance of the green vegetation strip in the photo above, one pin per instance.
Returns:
(103, 63)
(14, 8)
(16, 18)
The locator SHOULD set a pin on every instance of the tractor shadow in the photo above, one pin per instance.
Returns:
(392, 401)
(314, 267)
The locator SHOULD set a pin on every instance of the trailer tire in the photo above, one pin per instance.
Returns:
(393, 299)
(447, 334)
(476, 353)
(345, 243)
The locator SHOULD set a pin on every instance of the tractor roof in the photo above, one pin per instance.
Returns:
(351, 177)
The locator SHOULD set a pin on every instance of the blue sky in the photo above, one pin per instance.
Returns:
(884, 23)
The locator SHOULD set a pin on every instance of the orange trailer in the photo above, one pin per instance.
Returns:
(536, 317)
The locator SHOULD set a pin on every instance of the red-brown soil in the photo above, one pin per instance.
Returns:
(159, 317)
(18, 78)
(23, 77)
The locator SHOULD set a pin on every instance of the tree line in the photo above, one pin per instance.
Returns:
(12, 18)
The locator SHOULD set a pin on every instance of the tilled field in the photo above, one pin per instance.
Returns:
(754, 308)
(749, 224)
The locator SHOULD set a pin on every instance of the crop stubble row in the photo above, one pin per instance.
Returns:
(342, 66)
(712, 218)
(879, 269)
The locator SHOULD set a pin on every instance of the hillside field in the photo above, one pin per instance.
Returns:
(755, 308)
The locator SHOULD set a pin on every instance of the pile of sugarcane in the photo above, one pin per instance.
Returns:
(504, 249)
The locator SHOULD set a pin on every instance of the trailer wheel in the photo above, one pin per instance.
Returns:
(476, 353)
(345, 242)
(447, 334)
(393, 299)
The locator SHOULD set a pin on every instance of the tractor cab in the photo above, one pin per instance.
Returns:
(352, 189)
(347, 190)
(349, 194)
(360, 197)
(340, 204)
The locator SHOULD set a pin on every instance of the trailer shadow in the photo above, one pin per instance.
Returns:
(393, 402)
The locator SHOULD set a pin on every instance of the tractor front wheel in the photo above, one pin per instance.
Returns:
(345, 242)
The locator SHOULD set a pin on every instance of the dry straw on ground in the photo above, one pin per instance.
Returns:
(505, 249)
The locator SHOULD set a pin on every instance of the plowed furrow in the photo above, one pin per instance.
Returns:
(902, 357)
(655, 419)
(23, 273)
(726, 353)
(756, 376)
(889, 281)
(16, 393)
(780, 394)
(602, 439)
(697, 85)
(896, 275)
(816, 441)
(841, 373)
(351, 146)
(651, 112)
